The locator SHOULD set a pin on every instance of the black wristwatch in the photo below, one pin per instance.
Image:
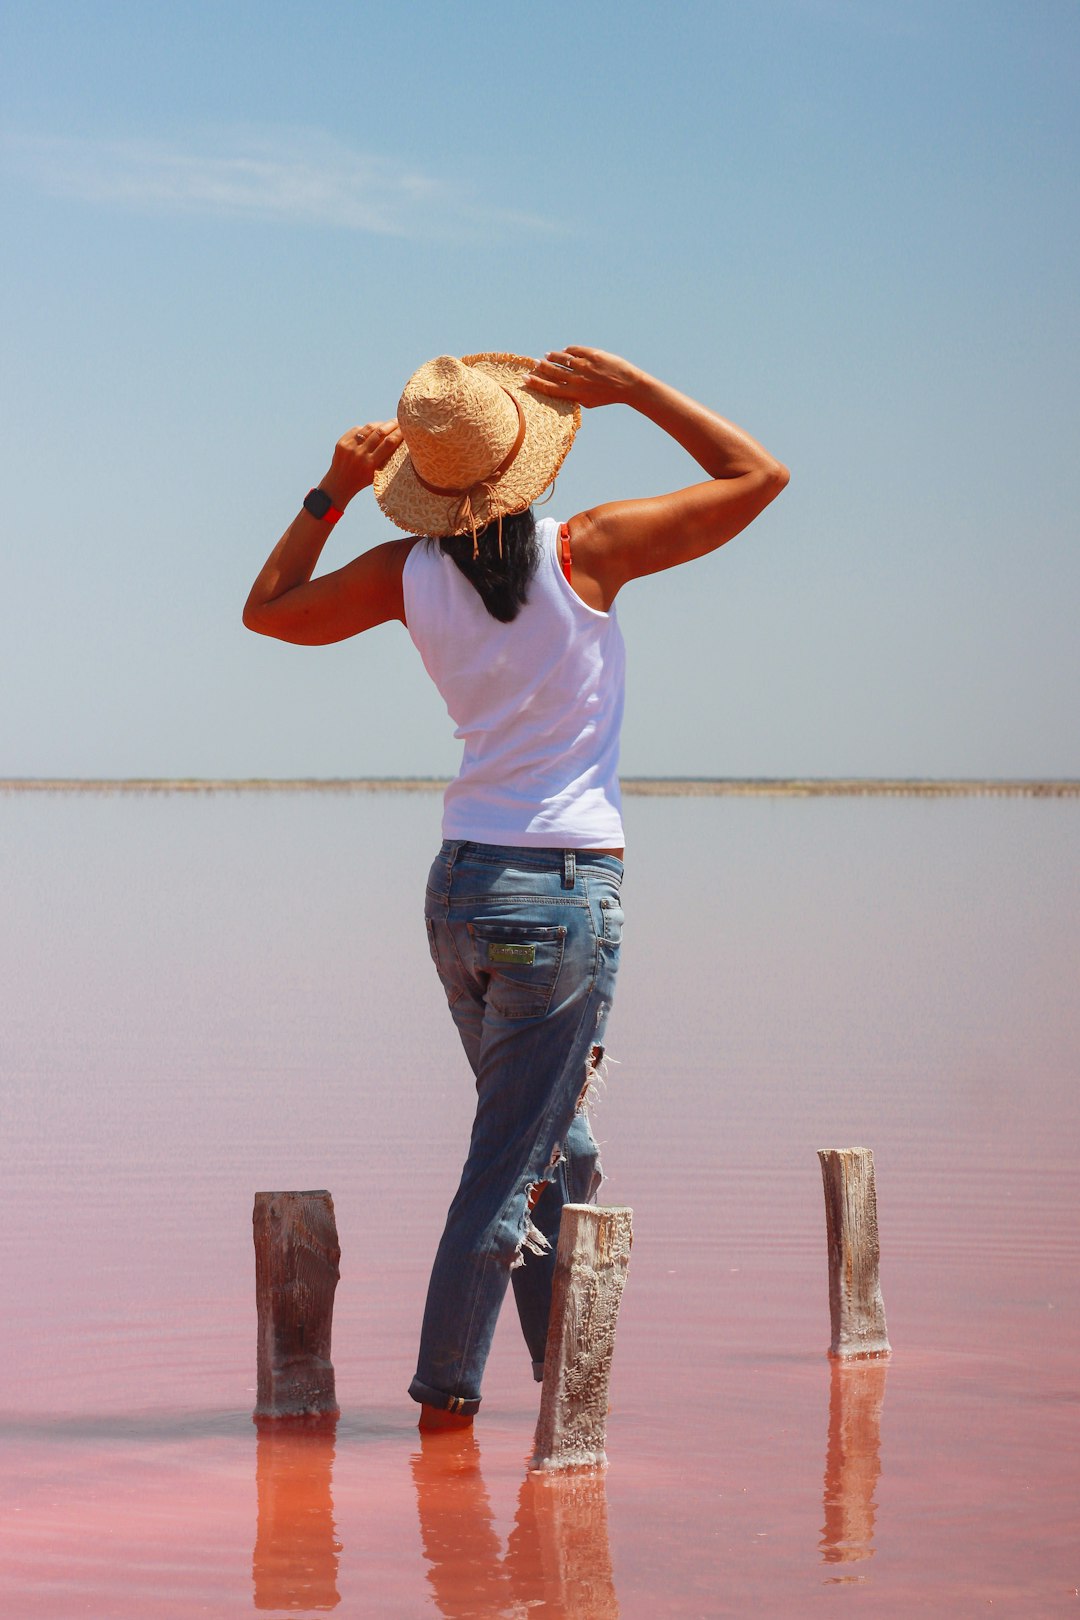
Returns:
(319, 504)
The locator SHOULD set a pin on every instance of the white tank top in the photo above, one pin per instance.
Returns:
(538, 704)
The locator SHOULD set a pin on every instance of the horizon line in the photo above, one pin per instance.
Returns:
(633, 786)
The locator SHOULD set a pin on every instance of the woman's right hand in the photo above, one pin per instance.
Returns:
(588, 376)
(358, 455)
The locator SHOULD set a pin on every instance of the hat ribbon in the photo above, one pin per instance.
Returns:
(464, 511)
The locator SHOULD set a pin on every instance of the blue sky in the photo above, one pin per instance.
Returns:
(234, 230)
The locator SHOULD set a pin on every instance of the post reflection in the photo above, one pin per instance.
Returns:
(557, 1557)
(558, 1548)
(295, 1562)
(852, 1461)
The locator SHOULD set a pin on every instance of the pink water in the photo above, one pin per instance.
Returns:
(205, 996)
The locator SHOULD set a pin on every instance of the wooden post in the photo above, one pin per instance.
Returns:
(296, 1273)
(855, 1304)
(590, 1269)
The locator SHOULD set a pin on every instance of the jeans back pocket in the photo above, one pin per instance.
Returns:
(521, 962)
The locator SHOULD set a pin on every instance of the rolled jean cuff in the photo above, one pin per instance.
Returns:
(441, 1400)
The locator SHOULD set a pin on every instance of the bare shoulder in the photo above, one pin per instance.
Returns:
(365, 592)
(395, 553)
(379, 575)
(589, 574)
(625, 540)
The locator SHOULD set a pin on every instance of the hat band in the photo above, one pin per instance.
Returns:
(497, 472)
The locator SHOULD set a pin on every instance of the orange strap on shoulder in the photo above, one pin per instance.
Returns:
(564, 553)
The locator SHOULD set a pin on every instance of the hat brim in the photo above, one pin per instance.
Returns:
(550, 426)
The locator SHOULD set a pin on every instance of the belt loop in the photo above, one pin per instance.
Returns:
(569, 869)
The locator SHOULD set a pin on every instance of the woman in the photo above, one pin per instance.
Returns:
(516, 625)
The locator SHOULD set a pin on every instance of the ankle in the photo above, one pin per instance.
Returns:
(433, 1418)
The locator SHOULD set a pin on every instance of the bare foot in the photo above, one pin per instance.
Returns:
(434, 1418)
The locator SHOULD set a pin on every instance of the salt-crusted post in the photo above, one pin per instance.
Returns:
(296, 1273)
(590, 1269)
(855, 1304)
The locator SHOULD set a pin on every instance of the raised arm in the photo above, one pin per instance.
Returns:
(623, 540)
(287, 603)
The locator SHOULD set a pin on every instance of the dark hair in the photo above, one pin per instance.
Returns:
(502, 581)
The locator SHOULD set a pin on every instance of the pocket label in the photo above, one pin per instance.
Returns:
(521, 954)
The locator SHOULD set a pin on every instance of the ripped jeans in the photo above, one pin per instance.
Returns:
(526, 943)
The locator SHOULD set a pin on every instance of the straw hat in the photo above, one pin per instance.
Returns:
(478, 444)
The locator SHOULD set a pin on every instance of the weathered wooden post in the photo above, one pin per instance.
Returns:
(590, 1269)
(296, 1273)
(855, 1303)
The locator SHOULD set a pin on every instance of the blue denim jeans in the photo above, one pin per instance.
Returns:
(526, 943)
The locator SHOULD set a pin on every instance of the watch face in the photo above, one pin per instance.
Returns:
(317, 502)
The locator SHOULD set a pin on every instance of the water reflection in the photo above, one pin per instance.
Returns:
(558, 1548)
(557, 1556)
(852, 1461)
(295, 1562)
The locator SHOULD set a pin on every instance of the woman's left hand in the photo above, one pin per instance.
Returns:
(591, 377)
(358, 455)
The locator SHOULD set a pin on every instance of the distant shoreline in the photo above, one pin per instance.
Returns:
(794, 787)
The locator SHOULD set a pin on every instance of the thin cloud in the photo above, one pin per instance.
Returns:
(304, 179)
